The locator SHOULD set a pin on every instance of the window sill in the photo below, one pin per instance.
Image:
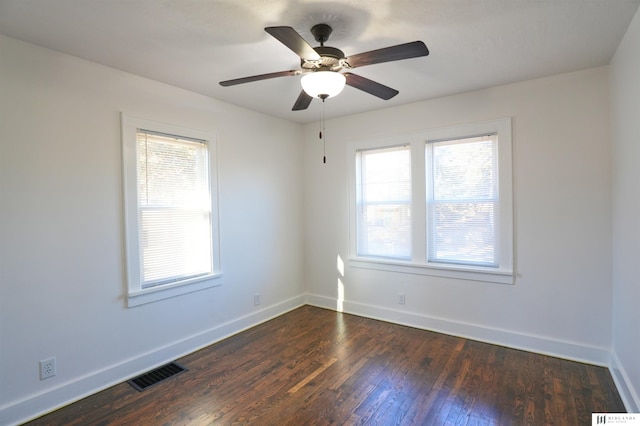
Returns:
(153, 294)
(461, 272)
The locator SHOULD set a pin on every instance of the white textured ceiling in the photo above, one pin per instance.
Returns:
(194, 44)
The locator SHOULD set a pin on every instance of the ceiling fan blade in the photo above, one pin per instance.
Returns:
(294, 41)
(413, 49)
(370, 86)
(258, 77)
(302, 102)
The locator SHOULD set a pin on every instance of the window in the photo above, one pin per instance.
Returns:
(435, 203)
(462, 200)
(384, 202)
(170, 210)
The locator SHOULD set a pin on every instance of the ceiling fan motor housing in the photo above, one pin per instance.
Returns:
(331, 59)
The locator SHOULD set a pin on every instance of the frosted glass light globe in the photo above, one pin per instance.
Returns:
(323, 84)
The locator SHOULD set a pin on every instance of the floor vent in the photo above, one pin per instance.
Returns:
(153, 377)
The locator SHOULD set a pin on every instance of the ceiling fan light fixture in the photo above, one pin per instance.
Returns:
(323, 84)
(321, 65)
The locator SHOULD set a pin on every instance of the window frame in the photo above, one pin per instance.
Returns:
(419, 264)
(136, 293)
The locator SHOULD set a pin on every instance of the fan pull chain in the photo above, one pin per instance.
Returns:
(322, 133)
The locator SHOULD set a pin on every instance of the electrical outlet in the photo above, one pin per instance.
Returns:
(401, 298)
(47, 368)
(256, 299)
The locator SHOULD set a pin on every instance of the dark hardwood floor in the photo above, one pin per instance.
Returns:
(315, 366)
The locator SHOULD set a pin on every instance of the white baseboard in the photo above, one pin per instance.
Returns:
(626, 390)
(539, 344)
(18, 412)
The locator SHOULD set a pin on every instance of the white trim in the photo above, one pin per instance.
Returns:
(573, 351)
(628, 393)
(492, 275)
(153, 294)
(505, 273)
(135, 294)
(18, 412)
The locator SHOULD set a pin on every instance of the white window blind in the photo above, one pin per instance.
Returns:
(384, 202)
(174, 208)
(462, 201)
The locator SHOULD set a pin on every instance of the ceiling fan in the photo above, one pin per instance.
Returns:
(322, 65)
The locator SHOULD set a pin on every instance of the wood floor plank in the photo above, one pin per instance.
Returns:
(318, 367)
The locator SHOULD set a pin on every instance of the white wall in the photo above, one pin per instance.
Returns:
(625, 101)
(561, 301)
(61, 248)
(61, 229)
